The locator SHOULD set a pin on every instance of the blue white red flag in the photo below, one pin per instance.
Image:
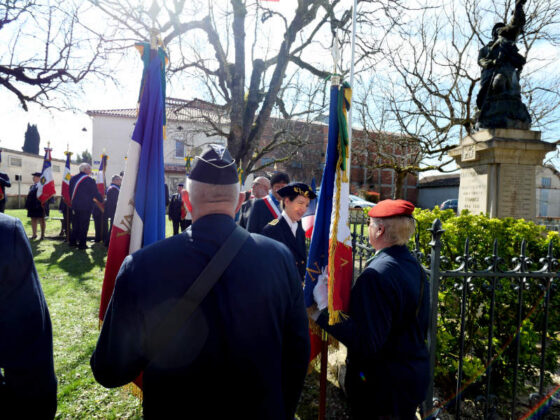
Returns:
(66, 180)
(100, 179)
(140, 213)
(46, 184)
(330, 252)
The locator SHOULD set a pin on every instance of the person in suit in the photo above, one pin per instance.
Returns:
(259, 189)
(35, 209)
(177, 212)
(4, 183)
(244, 351)
(387, 367)
(287, 228)
(83, 190)
(268, 208)
(27, 378)
(111, 207)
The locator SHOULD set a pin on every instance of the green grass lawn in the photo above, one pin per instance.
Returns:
(71, 281)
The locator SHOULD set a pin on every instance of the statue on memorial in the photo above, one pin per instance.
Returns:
(499, 99)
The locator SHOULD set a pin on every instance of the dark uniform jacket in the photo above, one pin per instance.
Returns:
(111, 202)
(175, 207)
(279, 229)
(86, 192)
(244, 351)
(32, 203)
(387, 354)
(245, 212)
(26, 353)
(260, 215)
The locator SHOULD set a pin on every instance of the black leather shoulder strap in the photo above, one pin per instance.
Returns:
(187, 304)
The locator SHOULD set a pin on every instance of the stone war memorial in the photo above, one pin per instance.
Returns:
(498, 161)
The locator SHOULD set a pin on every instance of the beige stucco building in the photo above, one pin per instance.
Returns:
(21, 165)
(186, 122)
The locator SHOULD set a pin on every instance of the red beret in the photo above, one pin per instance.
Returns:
(389, 208)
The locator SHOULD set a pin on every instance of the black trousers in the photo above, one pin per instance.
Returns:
(182, 223)
(80, 225)
(100, 224)
(107, 233)
(364, 401)
(2, 205)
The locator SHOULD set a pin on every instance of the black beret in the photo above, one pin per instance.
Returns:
(214, 166)
(36, 174)
(297, 188)
(279, 177)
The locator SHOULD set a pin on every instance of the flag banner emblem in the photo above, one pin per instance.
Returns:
(100, 181)
(66, 180)
(46, 184)
(330, 252)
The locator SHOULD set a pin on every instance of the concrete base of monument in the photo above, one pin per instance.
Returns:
(498, 171)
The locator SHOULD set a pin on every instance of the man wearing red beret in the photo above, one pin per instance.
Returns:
(385, 332)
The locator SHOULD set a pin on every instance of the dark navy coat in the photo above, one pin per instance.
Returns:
(175, 205)
(387, 372)
(111, 202)
(26, 353)
(260, 216)
(279, 229)
(245, 212)
(86, 192)
(244, 351)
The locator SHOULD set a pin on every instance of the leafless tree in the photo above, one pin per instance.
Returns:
(428, 89)
(251, 58)
(47, 50)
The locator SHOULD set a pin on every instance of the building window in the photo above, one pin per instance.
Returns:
(14, 161)
(56, 168)
(266, 160)
(545, 182)
(179, 149)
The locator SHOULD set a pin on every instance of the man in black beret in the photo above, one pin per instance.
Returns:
(268, 208)
(243, 352)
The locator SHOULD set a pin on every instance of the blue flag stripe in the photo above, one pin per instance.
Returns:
(149, 198)
(319, 248)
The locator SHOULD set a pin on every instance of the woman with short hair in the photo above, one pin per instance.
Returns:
(287, 228)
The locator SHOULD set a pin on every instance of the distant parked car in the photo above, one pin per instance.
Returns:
(449, 204)
(359, 203)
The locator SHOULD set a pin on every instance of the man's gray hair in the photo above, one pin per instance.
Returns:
(115, 177)
(398, 229)
(201, 193)
(84, 166)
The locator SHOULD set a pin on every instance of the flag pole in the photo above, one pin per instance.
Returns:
(350, 112)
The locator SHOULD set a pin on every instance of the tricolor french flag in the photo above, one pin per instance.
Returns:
(46, 185)
(140, 213)
(100, 179)
(66, 180)
(330, 252)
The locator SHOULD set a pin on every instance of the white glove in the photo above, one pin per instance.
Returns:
(320, 291)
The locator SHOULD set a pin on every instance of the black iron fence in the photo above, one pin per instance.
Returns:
(493, 347)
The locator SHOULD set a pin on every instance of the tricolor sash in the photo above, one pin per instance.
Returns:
(272, 207)
(84, 176)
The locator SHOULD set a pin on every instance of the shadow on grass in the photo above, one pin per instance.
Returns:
(74, 261)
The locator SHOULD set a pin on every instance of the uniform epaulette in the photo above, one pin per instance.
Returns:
(274, 222)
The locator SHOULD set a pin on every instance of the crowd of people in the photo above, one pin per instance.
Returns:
(213, 319)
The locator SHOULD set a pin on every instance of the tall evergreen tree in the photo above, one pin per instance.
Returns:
(32, 139)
